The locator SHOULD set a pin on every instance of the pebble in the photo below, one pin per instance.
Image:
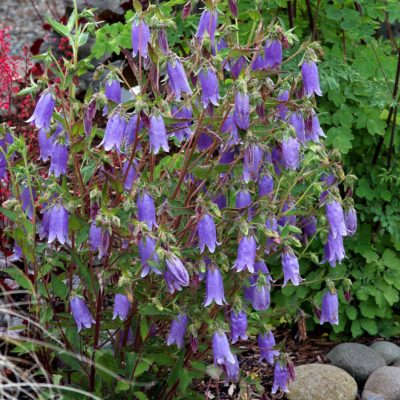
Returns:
(383, 384)
(389, 351)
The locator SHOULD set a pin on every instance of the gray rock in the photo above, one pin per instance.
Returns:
(322, 382)
(358, 360)
(383, 384)
(388, 350)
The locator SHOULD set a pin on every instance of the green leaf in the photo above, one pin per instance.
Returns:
(391, 260)
(20, 278)
(59, 287)
(356, 328)
(351, 313)
(369, 325)
(341, 138)
(140, 396)
(59, 28)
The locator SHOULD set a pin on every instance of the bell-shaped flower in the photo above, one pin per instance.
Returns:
(99, 239)
(43, 112)
(28, 201)
(176, 275)
(58, 224)
(146, 210)
(309, 74)
(45, 145)
(177, 331)
(334, 250)
(282, 109)
(297, 121)
(231, 370)
(214, 287)
(44, 225)
(260, 296)
(335, 216)
(271, 243)
(313, 129)
(290, 153)
(207, 233)
(281, 378)
(158, 134)
(330, 309)
(114, 133)
(308, 225)
(133, 127)
(241, 114)
(204, 141)
(252, 162)
(140, 38)
(207, 24)
(243, 199)
(89, 113)
(7, 140)
(177, 79)
(163, 41)
(131, 176)
(209, 87)
(122, 306)
(221, 350)
(246, 254)
(291, 268)
(220, 201)
(147, 252)
(81, 313)
(59, 159)
(182, 130)
(238, 324)
(113, 91)
(273, 53)
(350, 220)
(265, 185)
(238, 66)
(266, 344)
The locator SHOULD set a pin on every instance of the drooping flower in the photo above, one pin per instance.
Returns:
(207, 233)
(146, 210)
(252, 162)
(140, 38)
(273, 53)
(231, 370)
(81, 313)
(208, 23)
(266, 344)
(163, 41)
(241, 114)
(214, 287)
(309, 225)
(350, 219)
(220, 201)
(221, 349)
(176, 275)
(114, 133)
(177, 79)
(177, 332)
(132, 175)
(238, 324)
(204, 141)
(282, 109)
(182, 129)
(291, 268)
(290, 153)
(335, 216)
(7, 140)
(43, 112)
(209, 87)
(297, 121)
(281, 378)
(258, 63)
(265, 185)
(133, 127)
(44, 225)
(230, 127)
(59, 159)
(330, 309)
(122, 306)
(45, 145)
(246, 254)
(271, 243)
(58, 224)
(313, 129)
(112, 90)
(243, 199)
(309, 73)
(88, 115)
(334, 250)
(237, 67)
(147, 252)
(99, 239)
(260, 296)
(158, 134)
(28, 201)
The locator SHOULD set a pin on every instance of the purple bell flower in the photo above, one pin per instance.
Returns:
(253, 157)
(330, 307)
(132, 129)
(297, 121)
(204, 141)
(246, 254)
(231, 370)
(266, 344)
(59, 159)
(112, 90)
(147, 252)
(45, 145)
(89, 113)
(260, 297)
(291, 269)
(132, 174)
(58, 224)
(230, 127)
(209, 86)
(158, 134)
(243, 199)
(221, 349)
(238, 325)
(258, 63)
(146, 210)
(309, 73)
(7, 140)
(273, 53)
(265, 185)
(41, 117)
(99, 239)
(44, 226)
(122, 306)
(81, 313)
(207, 233)
(176, 274)
(271, 244)
(309, 225)
(241, 114)
(335, 216)
(208, 23)
(214, 287)
(237, 67)
(313, 129)
(114, 133)
(177, 79)
(177, 332)
(140, 38)
(350, 220)
(290, 153)
(27, 204)
(163, 41)
(281, 107)
(220, 201)
(334, 250)
(182, 129)
(281, 378)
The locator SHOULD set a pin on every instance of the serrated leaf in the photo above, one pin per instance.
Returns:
(58, 27)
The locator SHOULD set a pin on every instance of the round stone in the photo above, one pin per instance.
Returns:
(388, 350)
(383, 384)
(322, 382)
